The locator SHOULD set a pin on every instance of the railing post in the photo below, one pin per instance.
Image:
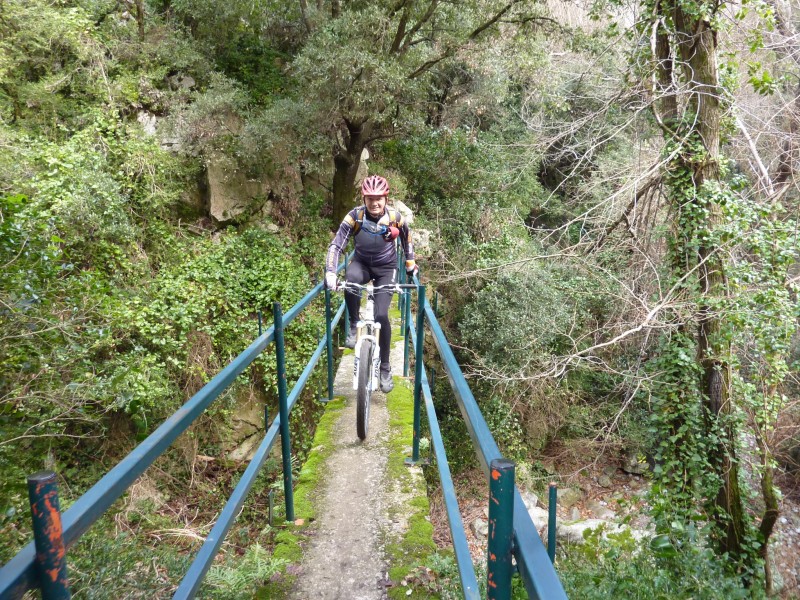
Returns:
(286, 444)
(401, 297)
(51, 554)
(551, 522)
(329, 341)
(259, 322)
(346, 312)
(406, 335)
(501, 529)
(418, 370)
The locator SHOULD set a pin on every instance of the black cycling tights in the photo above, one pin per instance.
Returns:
(359, 273)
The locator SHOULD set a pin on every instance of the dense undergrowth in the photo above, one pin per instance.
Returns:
(118, 301)
(120, 296)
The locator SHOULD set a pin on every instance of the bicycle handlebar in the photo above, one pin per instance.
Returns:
(393, 286)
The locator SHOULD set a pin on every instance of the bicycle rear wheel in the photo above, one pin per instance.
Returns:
(363, 392)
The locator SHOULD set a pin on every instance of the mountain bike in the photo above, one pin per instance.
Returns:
(367, 358)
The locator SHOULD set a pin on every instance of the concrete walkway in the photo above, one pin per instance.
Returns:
(345, 556)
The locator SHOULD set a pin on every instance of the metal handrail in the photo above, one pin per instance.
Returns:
(202, 563)
(533, 562)
(20, 574)
(466, 570)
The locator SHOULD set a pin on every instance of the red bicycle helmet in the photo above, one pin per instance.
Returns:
(375, 185)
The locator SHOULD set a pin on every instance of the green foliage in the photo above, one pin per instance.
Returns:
(35, 85)
(110, 316)
(383, 75)
(761, 79)
(746, 315)
(459, 181)
(213, 296)
(506, 429)
(110, 563)
(529, 315)
(256, 66)
(243, 576)
(620, 567)
(685, 476)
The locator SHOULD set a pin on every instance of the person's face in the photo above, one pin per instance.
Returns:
(375, 205)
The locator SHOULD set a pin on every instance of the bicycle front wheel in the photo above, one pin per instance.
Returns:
(363, 392)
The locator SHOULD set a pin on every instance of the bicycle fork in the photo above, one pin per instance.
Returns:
(376, 360)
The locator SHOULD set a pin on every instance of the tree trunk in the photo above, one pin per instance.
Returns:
(698, 49)
(771, 507)
(346, 161)
(694, 43)
(304, 13)
(140, 18)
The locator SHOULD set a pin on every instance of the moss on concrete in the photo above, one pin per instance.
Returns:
(405, 552)
(287, 541)
(287, 546)
(310, 475)
(415, 545)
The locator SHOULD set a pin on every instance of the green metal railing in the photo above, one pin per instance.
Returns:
(511, 529)
(42, 563)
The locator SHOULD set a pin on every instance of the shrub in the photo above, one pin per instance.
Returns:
(620, 567)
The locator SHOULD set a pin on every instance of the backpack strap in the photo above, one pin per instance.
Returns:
(358, 220)
(395, 218)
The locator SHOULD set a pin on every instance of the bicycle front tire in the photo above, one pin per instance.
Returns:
(363, 392)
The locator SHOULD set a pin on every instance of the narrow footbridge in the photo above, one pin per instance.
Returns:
(514, 542)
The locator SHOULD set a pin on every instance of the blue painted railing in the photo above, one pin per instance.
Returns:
(534, 564)
(21, 574)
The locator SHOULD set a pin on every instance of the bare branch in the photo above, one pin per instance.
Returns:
(492, 21)
(763, 174)
(425, 18)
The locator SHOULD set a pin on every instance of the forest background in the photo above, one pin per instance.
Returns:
(609, 189)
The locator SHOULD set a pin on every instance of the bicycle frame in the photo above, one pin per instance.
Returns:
(369, 329)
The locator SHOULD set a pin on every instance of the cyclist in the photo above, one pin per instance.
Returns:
(374, 228)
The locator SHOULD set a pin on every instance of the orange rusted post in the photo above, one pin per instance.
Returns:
(51, 554)
(501, 529)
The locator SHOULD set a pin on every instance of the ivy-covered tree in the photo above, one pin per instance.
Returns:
(700, 393)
